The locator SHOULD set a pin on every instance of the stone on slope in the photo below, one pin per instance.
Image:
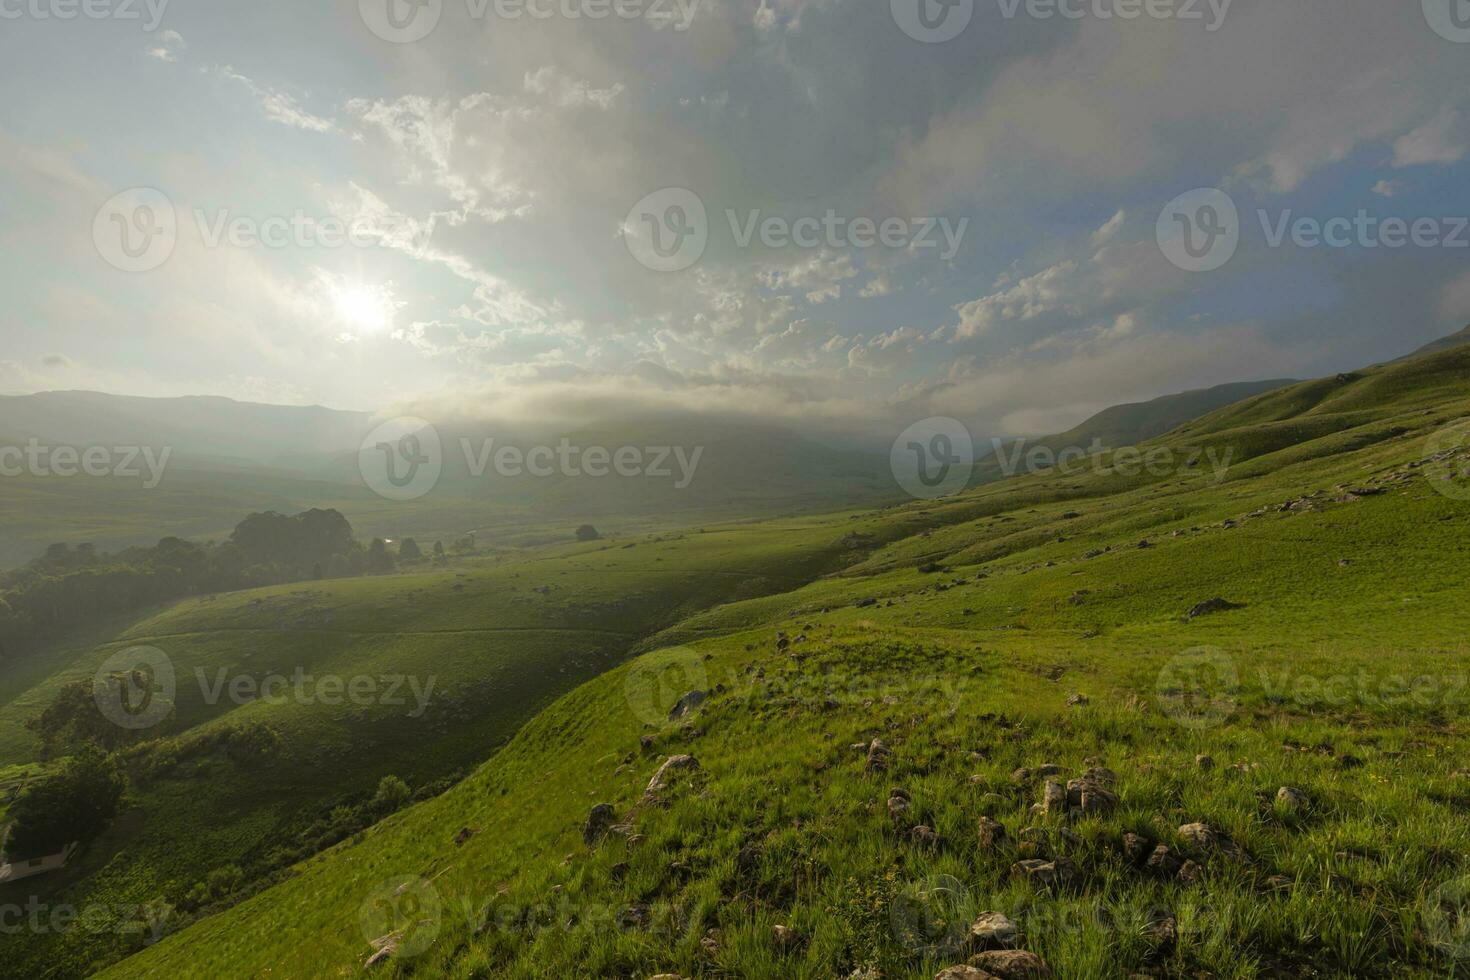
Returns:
(992, 930)
(1011, 964)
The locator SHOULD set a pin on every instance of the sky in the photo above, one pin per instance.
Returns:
(836, 215)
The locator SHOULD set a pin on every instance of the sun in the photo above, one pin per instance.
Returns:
(361, 307)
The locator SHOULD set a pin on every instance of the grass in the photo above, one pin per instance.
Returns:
(1341, 674)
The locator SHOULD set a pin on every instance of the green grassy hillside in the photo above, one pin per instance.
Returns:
(1328, 692)
(473, 651)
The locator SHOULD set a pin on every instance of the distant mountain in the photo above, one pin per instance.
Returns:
(1442, 344)
(1130, 424)
(198, 428)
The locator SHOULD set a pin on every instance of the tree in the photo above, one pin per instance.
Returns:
(588, 533)
(380, 559)
(73, 805)
(392, 794)
(439, 556)
(408, 550)
(74, 720)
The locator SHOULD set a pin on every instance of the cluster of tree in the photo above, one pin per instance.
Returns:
(70, 586)
(72, 805)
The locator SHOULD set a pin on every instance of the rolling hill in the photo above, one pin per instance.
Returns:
(1256, 678)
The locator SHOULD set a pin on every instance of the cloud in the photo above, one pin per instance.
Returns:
(1050, 291)
(1105, 234)
(1442, 140)
(1388, 188)
(170, 45)
(280, 106)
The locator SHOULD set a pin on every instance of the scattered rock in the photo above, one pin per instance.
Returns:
(1077, 700)
(898, 808)
(1210, 606)
(1019, 776)
(1049, 770)
(1136, 849)
(1292, 798)
(645, 742)
(992, 834)
(465, 834)
(598, 822)
(748, 859)
(1163, 862)
(1011, 964)
(1205, 838)
(784, 936)
(1059, 873)
(992, 930)
(877, 756)
(1204, 762)
(670, 765)
(963, 973)
(1161, 929)
(687, 704)
(1054, 797)
(925, 837)
(1090, 792)
(1191, 873)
